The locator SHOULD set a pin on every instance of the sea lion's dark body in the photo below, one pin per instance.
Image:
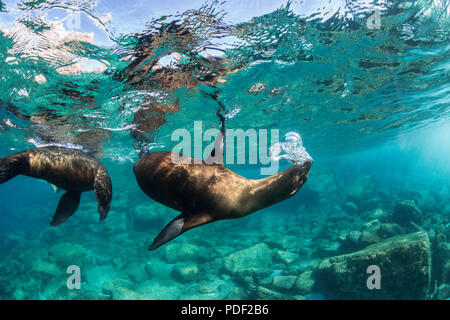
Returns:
(67, 169)
(206, 193)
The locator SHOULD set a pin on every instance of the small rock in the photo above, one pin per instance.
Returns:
(254, 260)
(443, 292)
(149, 269)
(388, 230)
(353, 236)
(257, 87)
(182, 252)
(126, 294)
(137, 272)
(185, 272)
(342, 238)
(327, 249)
(305, 283)
(205, 288)
(284, 282)
(370, 233)
(287, 257)
(117, 289)
(267, 294)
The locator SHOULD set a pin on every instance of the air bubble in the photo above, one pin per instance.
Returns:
(292, 148)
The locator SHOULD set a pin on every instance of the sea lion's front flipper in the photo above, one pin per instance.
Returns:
(66, 207)
(179, 225)
(103, 192)
(172, 230)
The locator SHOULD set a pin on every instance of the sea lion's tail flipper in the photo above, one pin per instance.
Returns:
(66, 207)
(179, 225)
(103, 191)
(10, 167)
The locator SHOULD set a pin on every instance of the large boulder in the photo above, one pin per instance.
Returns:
(406, 212)
(404, 263)
(256, 260)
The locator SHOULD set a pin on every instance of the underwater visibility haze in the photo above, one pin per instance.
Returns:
(361, 87)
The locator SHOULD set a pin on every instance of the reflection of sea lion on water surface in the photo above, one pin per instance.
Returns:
(45, 127)
(145, 72)
(206, 193)
(67, 169)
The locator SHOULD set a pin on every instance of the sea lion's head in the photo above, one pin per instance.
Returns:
(299, 175)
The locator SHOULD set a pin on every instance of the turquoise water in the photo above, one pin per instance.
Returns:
(370, 101)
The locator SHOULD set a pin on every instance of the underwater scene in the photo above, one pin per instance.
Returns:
(319, 134)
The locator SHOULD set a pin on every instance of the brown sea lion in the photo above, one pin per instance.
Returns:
(67, 169)
(205, 193)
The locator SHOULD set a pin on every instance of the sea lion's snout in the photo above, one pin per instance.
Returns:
(308, 164)
(305, 168)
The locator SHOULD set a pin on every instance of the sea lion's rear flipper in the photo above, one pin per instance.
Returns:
(179, 225)
(66, 207)
(103, 192)
(10, 167)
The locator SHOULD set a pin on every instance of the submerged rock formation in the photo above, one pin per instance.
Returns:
(404, 262)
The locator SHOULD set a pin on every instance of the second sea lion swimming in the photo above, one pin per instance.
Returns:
(67, 169)
(205, 193)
